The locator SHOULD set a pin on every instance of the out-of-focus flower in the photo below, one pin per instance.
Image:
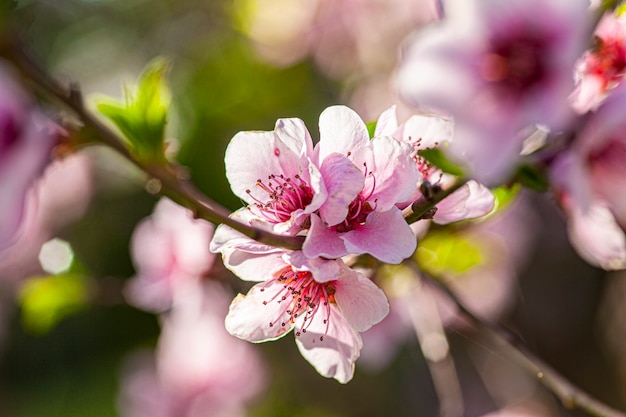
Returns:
(487, 288)
(169, 249)
(601, 68)
(590, 181)
(344, 191)
(343, 36)
(326, 303)
(26, 141)
(497, 68)
(58, 198)
(430, 131)
(199, 369)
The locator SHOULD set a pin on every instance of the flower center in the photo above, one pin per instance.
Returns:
(285, 196)
(608, 61)
(516, 63)
(359, 208)
(301, 294)
(9, 133)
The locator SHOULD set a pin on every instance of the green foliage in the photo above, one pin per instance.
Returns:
(142, 115)
(443, 253)
(47, 300)
(439, 159)
(532, 177)
(371, 128)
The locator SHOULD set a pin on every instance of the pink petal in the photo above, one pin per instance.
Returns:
(293, 133)
(323, 241)
(253, 156)
(387, 123)
(386, 236)
(342, 131)
(426, 131)
(334, 355)
(468, 202)
(253, 266)
(361, 302)
(597, 237)
(250, 316)
(395, 175)
(323, 270)
(343, 182)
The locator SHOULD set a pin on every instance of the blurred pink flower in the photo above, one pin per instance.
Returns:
(326, 303)
(497, 68)
(60, 197)
(590, 181)
(26, 141)
(600, 69)
(430, 131)
(169, 249)
(343, 36)
(199, 369)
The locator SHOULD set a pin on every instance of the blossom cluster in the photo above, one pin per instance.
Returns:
(497, 87)
(344, 196)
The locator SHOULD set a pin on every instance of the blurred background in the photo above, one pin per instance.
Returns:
(238, 65)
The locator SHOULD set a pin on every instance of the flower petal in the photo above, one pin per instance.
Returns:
(395, 176)
(361, 302)
(387, 123)
(342, 131)
(468, 202)
(332, 348)
(386, 236)
(323, 241)
(343, 182)
(258, 316)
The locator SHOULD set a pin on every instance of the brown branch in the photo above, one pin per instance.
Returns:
(570, 395)
(424, 207)
(171, 183)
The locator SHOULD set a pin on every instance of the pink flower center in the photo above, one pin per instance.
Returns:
(611, 156)
(359, 208)
(284, 197)
(516, 63)
(301, 294)
(10, 131)
(608, 61)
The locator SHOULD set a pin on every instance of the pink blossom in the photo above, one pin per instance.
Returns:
(169, 249)
(199, 369)
(497, 68)
(342, 36)
(600, 69)
(590, 181)
(431, 131)
(324, 302)
(342, 194)
(26, 141)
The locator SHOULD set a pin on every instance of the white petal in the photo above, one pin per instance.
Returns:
(332, 348)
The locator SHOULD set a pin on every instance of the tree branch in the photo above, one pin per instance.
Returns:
(570, 395)
(171, 183)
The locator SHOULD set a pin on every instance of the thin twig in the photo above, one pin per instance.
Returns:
(178, 189)
(423, 207)
(570, 395)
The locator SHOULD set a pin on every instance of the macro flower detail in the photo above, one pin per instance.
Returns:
(364, 217)
(341, 194)
(325, 303)
(431, 131)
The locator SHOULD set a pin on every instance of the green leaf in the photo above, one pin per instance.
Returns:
(142, 115)
(532, 177)
(436, 157)
(442, 252)
(371, 128)
(47, 300)
(504, 195)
